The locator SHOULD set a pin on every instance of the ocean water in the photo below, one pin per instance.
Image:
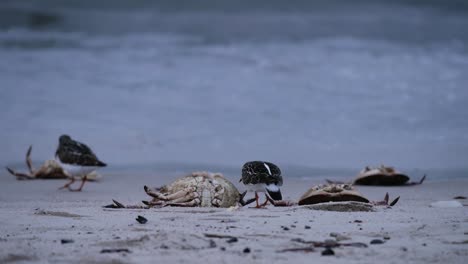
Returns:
(173, 86)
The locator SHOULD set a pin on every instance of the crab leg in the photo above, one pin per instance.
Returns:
(153, 193)
(118, 205)
(83, 180)
(422, 179)
(279, 203)
(29, 165)
(174, 196)
(385, 201)
(152, 203)
(395, 201)
(28, 160)
(187, 197)
(191, 203)
(20, 175)
(241, 199)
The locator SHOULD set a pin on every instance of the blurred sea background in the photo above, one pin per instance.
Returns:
(321, 88)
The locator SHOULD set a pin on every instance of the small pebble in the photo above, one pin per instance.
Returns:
(386, 237)
(212, 243)
(66, 241)
(164, 247)
(377, 241)
(307, 227)
(328, 252)
(357, 221)
(140, 219)
(246, 250)
(232, 240)
(285, 228)
(222, 248)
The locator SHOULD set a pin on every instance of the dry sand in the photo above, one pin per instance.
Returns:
(35, 217)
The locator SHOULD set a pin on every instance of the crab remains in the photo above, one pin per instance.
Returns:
(198, 189)
(335, 197)
(51, 169)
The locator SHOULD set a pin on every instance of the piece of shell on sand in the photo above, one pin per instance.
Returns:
(331, 193)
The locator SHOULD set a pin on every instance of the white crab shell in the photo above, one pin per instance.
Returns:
(202, 189)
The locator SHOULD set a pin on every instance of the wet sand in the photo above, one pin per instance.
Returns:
(40, 224)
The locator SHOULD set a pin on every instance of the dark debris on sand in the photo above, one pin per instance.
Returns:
(115, 250)
(140, 219)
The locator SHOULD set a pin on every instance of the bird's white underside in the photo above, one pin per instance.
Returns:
(261, 187)
(76, 170)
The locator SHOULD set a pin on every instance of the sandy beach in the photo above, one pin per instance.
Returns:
(40, 224)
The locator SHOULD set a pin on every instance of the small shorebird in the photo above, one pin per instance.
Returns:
(77, 159)
(262, 176)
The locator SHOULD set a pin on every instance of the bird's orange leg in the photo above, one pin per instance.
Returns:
(67, 185)
(83, 180)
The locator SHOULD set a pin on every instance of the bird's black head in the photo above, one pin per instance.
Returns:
(64, 139)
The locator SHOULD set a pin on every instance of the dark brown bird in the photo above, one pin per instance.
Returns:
(77, 159)
(262, 176)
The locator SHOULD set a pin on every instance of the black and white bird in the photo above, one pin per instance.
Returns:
(77, 159)
(262, 176)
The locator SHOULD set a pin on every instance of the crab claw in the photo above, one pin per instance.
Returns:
(422, 179)
(118, 205)
(114, 205)
(386, 198)
(28, 160)
(278, 203)
(395, 201)
(12, 172)
(241, 199)
(19, 175)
